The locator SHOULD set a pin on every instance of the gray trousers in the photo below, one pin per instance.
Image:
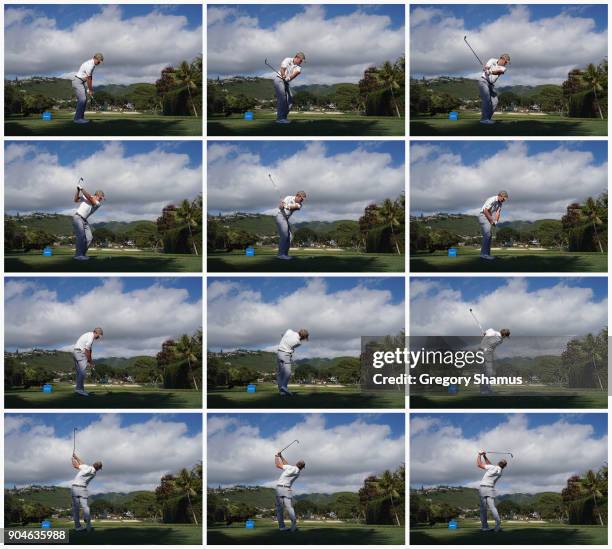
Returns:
(283, 371)
(80, 89)
(487, 502)
(489, 99)
(284, 500)
(80, 365)
(284, 234)
(487, 368)
(83, 234)
(485, 228)
(284, 99)
(80, 499)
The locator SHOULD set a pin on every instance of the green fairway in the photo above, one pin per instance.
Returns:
(507, 125)
(106, 261)
(304, 124)
(529, 534)
(266, 396)
(509, 260)
(103, 396)
(304, 261)
(132, 533)
(509, 398)
(103, 124)
(309, 533)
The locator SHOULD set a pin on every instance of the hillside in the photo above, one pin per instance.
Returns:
(468, 498)
(59, 498)
(467, 225)
(265, 225)
(61, 361)
(265, 361)
(263, 498)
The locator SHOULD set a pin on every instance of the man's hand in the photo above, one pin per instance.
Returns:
(482, 452)
(79, 187)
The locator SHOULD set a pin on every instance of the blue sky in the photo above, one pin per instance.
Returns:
(66, 15)
(271, 152)
(472, 288)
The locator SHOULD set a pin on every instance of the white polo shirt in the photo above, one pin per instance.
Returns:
(86, 208)
(86, 69)
(492, 339)
(85, 342)
(84, 476)
(290, 202)
(492, 204)
(289, 342)
(490, 65)
(288, 476)
(492, 474)
(290, 66)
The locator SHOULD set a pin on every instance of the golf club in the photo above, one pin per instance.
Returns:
(475, 54)
(80, 183)
(275, 185)
(476, 320)
(268, 65)
(296, 440)
(279, 75)
(502, 453)
(74, 440)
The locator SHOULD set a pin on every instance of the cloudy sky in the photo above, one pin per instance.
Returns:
(340, 177)
(137, 41)
(538, 306)
(254, 313)
(139, 178)
(541, 177)
(545, 42)
(136, 449)
(241, 448)
(137, 314)
(339, 41)
(443, 448)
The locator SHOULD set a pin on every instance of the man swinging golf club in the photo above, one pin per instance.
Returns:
(88, 205)
(286, 207)
(284, 492)
(489, 217)
(487, 490)
(79, 492)
(290, 69)
(491, 72)
(82, 84)
(290, 341)
(82, 355)
(490, 341)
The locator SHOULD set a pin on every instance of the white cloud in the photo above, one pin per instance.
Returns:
(337, 458)
(334, 47)
(444, 454)
(540, 185)
(543, 51)
(338, 186)
(240, 317)
(134, 322)
(134, 457)
(135, 49)
(136, 186)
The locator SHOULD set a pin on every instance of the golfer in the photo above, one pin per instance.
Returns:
(490, 341)
(491, 72)
(286, 207)
(290, 341)
(83, 357)
(284, 492)
(489, 217)
(79, 491)
(487, 490)
(88, 205)
(290, 69)
(82, 84)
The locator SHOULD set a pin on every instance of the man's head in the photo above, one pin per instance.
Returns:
(99, 195)
(98, 332)
(503, 463)
(98, 58)
(504, 59)
(300, 464)
(299, 58)
(502, 196)
(505, 332)
(303, 333)
(300, 197)
(97, 465)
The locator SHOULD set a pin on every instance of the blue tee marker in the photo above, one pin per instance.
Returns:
(46, 115)
(452, 252)
(47, 251)
(47, 388)
(45, 524)
(452, 389)
(251, 388)
(250, 251)
(248, 115)
(453, 115)
(250, 523)
(452, 524)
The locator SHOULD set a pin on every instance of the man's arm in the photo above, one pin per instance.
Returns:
(88, 356)
(498, 216)
(482, 456)
(294, 75)
(77, 195)
(279, 461)
(92, 199)
(488, 215)
(76, 462)
(90, 85)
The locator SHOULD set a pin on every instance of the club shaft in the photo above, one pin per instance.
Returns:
(475, 54)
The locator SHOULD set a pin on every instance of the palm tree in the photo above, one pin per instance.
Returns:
(187, 349)
(187, 75)
(594, 77)
(590, 210)
(388, 76)
(186, 482)
(387, 484)
(592, 484)
(188, 214)
(391, 214)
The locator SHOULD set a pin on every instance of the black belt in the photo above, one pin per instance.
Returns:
(80, 79)
(79, 215)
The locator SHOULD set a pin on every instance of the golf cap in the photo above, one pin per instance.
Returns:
(301, 193)
(98, 56)
(301, 55)
(503, 193)
(303, 333)
(505, 56)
